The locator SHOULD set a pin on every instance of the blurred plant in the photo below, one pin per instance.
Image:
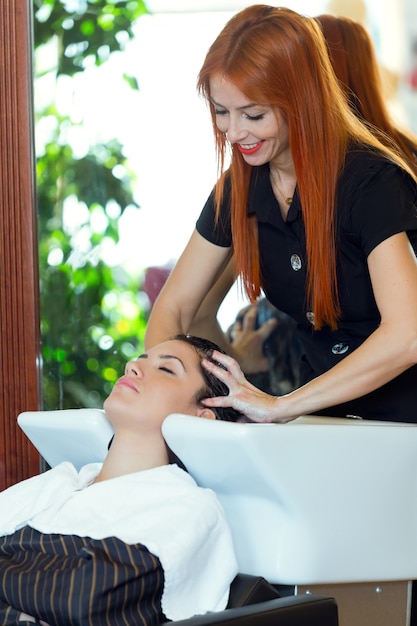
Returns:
(93, 314)
(87, 30)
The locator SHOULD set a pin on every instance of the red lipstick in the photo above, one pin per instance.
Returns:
(252, 150)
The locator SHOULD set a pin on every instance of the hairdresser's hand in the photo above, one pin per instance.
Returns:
(247, 341)
(253, 403)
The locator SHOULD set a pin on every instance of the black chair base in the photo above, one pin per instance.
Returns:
(254, 602)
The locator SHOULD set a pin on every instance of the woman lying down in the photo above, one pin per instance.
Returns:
(134, 540)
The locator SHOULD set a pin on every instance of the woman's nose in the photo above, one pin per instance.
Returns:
(236, 131)
(133, 369)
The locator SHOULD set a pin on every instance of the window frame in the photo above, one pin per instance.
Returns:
(20, 337)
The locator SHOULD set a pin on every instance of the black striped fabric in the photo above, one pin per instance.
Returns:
(66, 580)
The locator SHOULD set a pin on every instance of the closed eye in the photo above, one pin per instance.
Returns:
(255, 118)
(166, 369)
(252, 118)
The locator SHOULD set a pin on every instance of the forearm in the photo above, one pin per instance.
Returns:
(211, 329)
(163, 324)
(205, 322)
(193, 276)
(388, 351)
(383, 356)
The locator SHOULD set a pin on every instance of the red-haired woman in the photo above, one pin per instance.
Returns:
(317, 212)
(268, 352)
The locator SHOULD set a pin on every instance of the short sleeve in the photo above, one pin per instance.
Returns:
(218, 232)
(384, 204)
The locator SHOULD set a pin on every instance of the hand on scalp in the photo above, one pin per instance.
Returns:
(253, 403)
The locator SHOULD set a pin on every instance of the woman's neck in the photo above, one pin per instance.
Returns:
(283, 184)
(131, 453)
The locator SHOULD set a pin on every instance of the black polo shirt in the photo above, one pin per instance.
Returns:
(375, 200)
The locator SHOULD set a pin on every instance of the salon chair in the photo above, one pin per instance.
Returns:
(82, 436)
(302, 610)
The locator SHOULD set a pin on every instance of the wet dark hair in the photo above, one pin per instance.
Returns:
(213, 386)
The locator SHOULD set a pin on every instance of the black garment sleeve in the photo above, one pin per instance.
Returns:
(384, 203)
(217, 232)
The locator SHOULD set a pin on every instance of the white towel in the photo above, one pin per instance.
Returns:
(163, 508)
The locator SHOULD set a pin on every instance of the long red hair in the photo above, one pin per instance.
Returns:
(355, 64)
(279, 58)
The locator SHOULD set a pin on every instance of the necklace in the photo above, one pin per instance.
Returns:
(287, 199)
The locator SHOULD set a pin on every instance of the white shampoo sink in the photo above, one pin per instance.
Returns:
(317, 500)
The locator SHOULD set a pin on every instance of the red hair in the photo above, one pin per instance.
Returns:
(354, 62)
(279, 58)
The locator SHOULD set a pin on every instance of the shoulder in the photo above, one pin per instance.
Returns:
(23, 501)
(362, 159)
(363, 164)
(216, 228)
(372, 178)
(376, 198)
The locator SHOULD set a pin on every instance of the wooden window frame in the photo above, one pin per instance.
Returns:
(20, 344)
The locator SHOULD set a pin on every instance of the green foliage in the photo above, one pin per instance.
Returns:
(88, 31)
(93, 316)
(90, 328)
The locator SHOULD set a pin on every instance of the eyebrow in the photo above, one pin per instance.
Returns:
(245, 106)
(164, 357)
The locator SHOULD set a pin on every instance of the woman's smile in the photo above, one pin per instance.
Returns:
(258, 131)
(250, 148)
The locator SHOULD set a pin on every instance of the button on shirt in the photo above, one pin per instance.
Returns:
(375, 200)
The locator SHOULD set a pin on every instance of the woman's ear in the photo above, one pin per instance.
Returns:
(207, 413)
